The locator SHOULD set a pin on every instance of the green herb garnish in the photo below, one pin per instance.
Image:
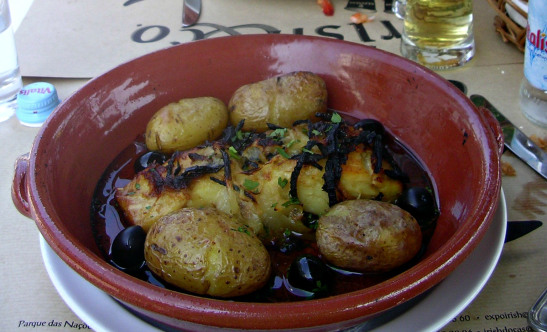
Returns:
(288, 145)
(282, 152)
(250, 184)
(278, 133)
(292, 201)
(335, 118)
(282, 182)
(242, 229)
(233, 153)
(239, 135)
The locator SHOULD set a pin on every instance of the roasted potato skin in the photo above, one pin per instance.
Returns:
(205, 251)
(186, 124)
(279, 100)
(368, 236)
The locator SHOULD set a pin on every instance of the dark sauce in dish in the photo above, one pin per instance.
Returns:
(107, 222)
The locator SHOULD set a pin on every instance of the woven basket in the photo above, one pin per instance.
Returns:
(505, 26)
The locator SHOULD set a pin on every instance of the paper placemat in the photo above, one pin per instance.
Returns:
(85, 38)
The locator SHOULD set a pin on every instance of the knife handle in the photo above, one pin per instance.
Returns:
(495, 127)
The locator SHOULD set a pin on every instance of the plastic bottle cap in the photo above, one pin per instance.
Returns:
(35, 102)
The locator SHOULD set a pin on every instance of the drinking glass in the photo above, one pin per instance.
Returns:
(10, 78)
(398, 8)
(438, 33)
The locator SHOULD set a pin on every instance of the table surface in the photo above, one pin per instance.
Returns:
(29, 296)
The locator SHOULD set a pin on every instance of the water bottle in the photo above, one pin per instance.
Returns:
(10, 78)
(533, 89)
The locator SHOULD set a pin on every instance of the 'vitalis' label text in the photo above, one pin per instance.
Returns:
(536, 39)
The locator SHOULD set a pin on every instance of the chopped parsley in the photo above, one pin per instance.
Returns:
(282, 152)
(242, 229)
(278, 133)
(282, 182)
(241, 135)
(233, 153)
(292, 142)
(292, 201)
(250, 184)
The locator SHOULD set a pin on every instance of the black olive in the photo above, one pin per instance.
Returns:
(289, 243)
(310, 220)
(419, 202)
(147, 159)
(127, 250)
(309, 273)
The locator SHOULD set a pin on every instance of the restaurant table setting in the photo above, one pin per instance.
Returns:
(68, 43)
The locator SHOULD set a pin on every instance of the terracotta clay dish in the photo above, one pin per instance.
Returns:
(458, 144)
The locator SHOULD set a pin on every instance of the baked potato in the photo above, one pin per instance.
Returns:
(205, 251)
(186, 124)
(279, 100)
(368, 236)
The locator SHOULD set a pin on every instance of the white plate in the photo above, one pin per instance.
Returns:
(429, 312)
